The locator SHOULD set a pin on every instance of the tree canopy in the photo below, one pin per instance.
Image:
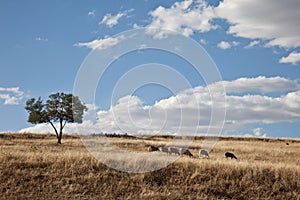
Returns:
(60, 107)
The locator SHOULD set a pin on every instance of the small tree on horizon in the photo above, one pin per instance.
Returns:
(60, 107)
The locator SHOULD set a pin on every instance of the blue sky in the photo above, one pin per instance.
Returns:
(255, 46)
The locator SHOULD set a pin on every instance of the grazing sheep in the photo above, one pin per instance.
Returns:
(230, 155)
(152, 148)
(164, 149)
(173, 150)
(188, 153)
(203, 153)
(184, 151)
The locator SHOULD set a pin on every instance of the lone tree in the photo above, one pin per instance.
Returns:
(60, 107)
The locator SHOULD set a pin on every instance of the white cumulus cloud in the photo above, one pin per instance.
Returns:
(11, 95)
(224, 45)
(112, 20)
(252, 44)
(184, 17)
(101, 43)
(202, 41)
(259, 132)
(293, 58)
(277, 22)
(92, 13)
(227, 45)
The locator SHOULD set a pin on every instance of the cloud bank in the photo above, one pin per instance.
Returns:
(274, 21)
(189, 111)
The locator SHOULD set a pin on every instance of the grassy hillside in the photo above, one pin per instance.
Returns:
(35, 167)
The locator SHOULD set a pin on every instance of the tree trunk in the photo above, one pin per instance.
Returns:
(59, 138)
(60, 131)
(54, 129)
(58, 135)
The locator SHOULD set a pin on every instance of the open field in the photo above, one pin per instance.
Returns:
(33, 166)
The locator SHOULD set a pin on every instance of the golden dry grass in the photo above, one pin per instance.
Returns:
(35, 167)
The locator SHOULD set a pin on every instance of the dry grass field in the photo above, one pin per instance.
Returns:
(33, 166)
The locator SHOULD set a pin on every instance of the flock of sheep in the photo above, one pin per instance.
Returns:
(183, 151)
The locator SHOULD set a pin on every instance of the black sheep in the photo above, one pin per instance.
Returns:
(230, 155)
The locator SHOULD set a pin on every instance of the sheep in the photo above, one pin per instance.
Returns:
(185, 151)
(203, 153)
(173, 150)
(230, 155)
(164, 149)
(152, 148)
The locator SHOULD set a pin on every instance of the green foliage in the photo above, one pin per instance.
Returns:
(65, 107)
(37, 113)
(60, 107)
